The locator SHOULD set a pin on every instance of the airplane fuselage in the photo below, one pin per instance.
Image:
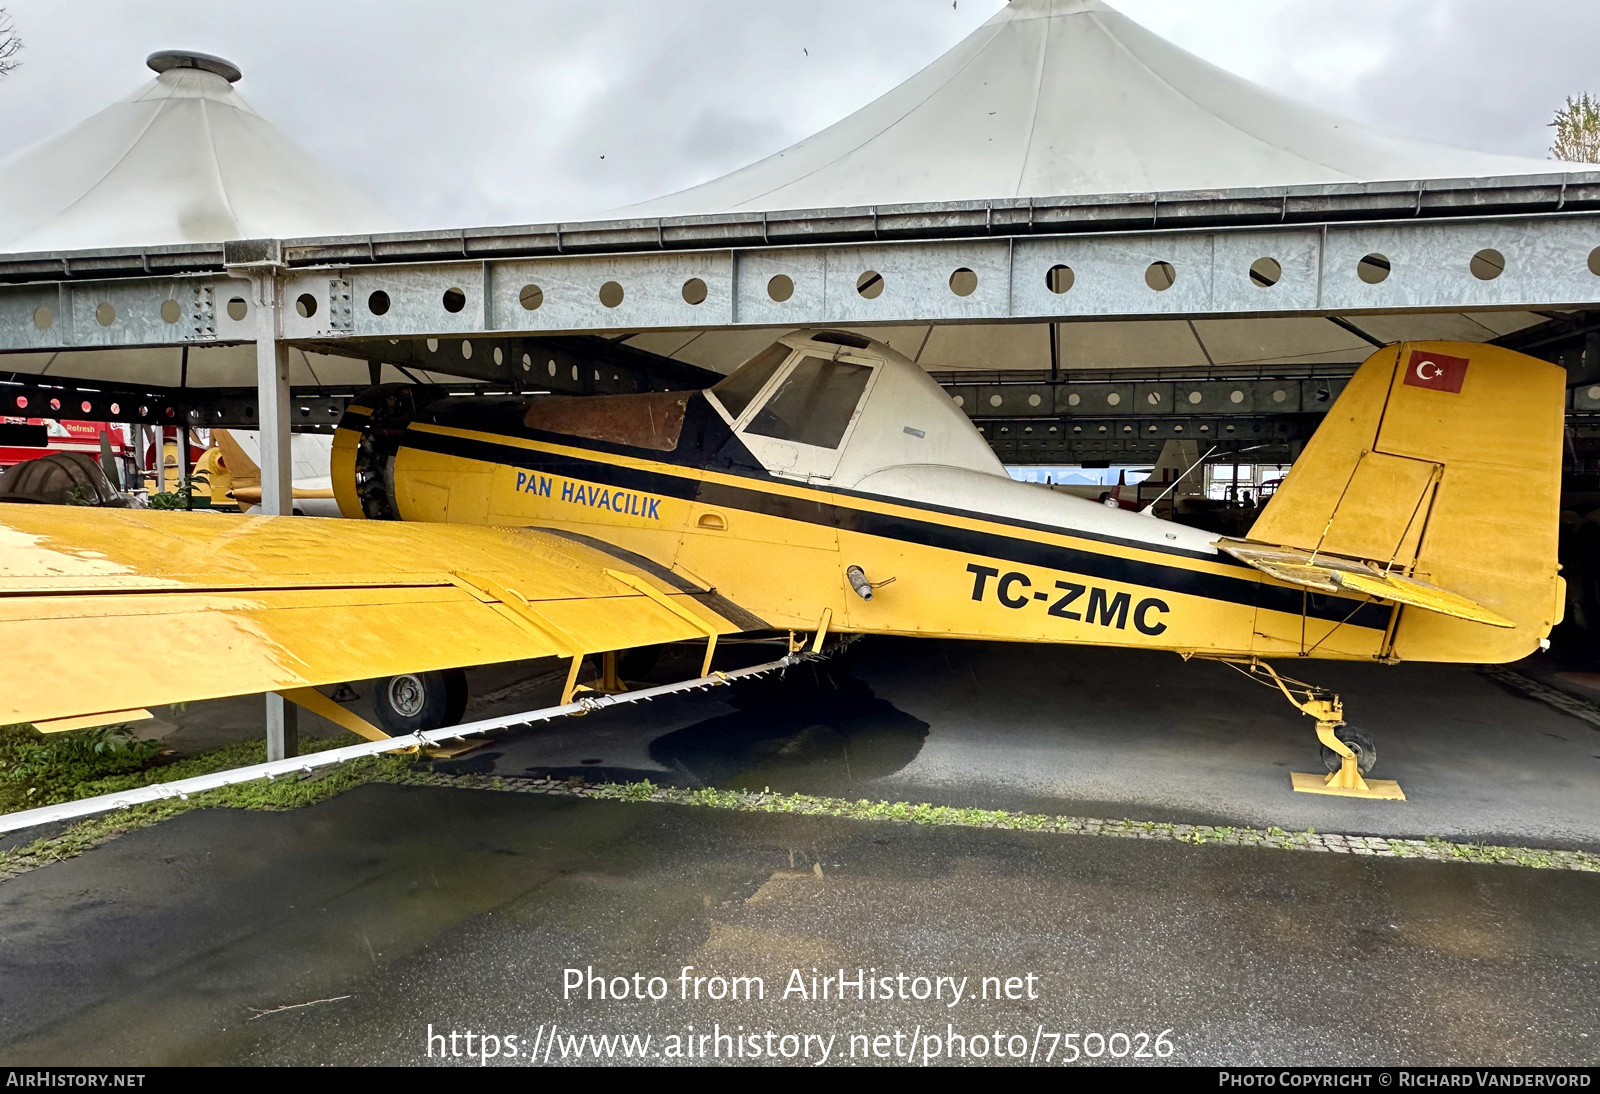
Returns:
(950, 551)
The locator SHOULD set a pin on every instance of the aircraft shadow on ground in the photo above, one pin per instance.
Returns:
(816, 729)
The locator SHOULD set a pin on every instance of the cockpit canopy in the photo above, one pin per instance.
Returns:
(836, 406)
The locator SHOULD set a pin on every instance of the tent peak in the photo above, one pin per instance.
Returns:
(1049, 9)
(168, 59)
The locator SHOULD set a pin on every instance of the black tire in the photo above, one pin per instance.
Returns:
(636, 664)
(1358, 742)
(416, 701)
(456, 695)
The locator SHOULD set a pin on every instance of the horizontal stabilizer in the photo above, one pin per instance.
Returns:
(1330, 574)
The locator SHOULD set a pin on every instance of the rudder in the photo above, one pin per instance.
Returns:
(1441, 461)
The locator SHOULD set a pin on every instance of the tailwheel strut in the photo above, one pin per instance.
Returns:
(1349, 779)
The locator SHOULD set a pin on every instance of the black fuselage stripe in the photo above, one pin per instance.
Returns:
(710, 598)
(1108, 567)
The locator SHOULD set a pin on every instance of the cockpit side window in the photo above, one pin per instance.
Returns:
(814, 403)
(746, 382)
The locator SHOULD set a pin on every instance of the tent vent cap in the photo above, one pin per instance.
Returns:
(168, 59)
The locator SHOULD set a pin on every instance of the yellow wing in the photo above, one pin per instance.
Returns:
(106, 610)
(1331, 574)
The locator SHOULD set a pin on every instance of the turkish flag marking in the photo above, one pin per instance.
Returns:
(1436, 371)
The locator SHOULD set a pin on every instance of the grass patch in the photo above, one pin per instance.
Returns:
(46, 768)
(85, 772)
(280, 793)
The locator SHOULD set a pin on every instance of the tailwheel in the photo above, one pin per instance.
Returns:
(416, 701)
(1356, 741)
(1347, 753)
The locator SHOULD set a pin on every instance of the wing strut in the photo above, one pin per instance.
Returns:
(682, 613)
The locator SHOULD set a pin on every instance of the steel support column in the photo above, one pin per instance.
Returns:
(272, 383)
(283, 728)
(277, 479)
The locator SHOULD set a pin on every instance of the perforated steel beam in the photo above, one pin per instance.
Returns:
(1545, 261)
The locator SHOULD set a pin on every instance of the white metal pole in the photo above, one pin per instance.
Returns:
(183, 463)
(272, 383)
(277, 483)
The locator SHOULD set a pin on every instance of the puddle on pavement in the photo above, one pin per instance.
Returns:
(816, 730)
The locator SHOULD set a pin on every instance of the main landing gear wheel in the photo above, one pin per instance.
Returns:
(416, 701)
(1356, 741)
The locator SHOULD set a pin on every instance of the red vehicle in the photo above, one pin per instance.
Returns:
(28, 438)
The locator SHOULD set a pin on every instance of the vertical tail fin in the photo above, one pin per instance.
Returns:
(1440, 461)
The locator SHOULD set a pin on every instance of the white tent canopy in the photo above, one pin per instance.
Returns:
(1068, 97)
(182, 160)
(1055, 98)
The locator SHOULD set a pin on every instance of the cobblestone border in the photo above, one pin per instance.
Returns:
(1544, 693)
(1430, 849)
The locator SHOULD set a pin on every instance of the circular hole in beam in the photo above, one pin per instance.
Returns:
(1058, 278)
(1160, 275)
(870, 285)
(1373, 269)
(1594, 261)
(781, 287)
(530, 297)
(171, 312)
(43, 317)
(305, 305)
(378, 303)
(454, 300)
(611, 294)
(105, 315)
(1487, 264)
(1265, 273)
(694, 291)
(238, 309)
(963, 282)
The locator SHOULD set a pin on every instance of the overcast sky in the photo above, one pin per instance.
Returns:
(481, 112)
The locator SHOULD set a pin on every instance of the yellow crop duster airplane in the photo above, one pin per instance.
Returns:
(827, 487)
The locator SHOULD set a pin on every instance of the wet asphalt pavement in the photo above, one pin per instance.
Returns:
(461, 909)
(1104, 733)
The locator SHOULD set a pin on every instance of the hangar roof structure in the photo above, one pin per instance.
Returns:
(1142, 217)
(1055, 98)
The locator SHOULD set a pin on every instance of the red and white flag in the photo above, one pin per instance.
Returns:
(1437, 371)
